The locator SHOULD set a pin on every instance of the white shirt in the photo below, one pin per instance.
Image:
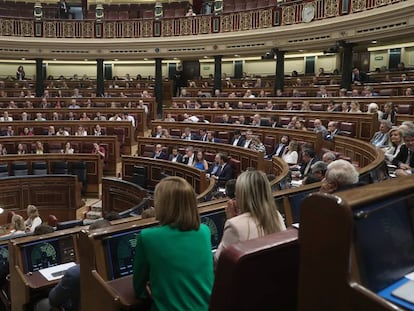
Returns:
(32, 224)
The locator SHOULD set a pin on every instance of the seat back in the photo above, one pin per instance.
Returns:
(259, 274)
(60, 167)
(39, 168)
(4, 170)
(20, 168)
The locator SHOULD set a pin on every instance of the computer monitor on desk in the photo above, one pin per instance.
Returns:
(120, 253)
(215, 221)
(384, 244)
(46, 253)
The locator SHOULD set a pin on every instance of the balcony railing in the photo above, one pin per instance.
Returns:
(276, 16)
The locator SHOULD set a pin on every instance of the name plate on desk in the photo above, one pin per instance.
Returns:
(56, 272)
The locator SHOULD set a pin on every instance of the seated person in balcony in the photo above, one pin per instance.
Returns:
(156, 266)
(33, 218)
(190, 12)
(81, 131)
(200, 163)
(253, 213)
(354, 107)
(84, 117)
(68, 149)
(98, 149)
(188, 135)
(20, 149)
(17, 227)
(27, 132)
(189, 156)
(62, 132)
(290, 154)
(211, 137)
(98, 131)
(390, 112)
(248, 94)
(99, 117)
(318, 171)
(308, 159)
(381, 138)
(318, 127)
(224, 171)
(238, 139)
(328, 157)
(64, 9)
(300, 125)
(340, 175)
(404, 160)
(248, 139)
(39, 117)
(6, 117)
(394, 145)
(280, 147)
(175, 156)
(257, 145)
(73, 104)
(39, 147)
(159, 153)
(51, 130)
(3, 150)
(20, 74)
(408, 92)
(359, 77)
(76, 93)
(169, 118)
(9, 131)
(332, 130)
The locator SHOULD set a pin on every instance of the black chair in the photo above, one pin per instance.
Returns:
(39, 168)
(140, 176)
(79, 169)
(60, 167)
(20, 168)
(4, 170)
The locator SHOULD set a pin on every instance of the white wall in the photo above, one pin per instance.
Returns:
(378, 59)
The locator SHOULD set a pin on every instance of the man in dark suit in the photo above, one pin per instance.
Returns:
(189, 157)
(187, 135)
(332, 131)
(159, 153)
(64, 9)
(225, 171)
(308, 159)
(279, 148)
(237, 139)
(175, 156)
(359, 77)
(404, 160)
(203, 134)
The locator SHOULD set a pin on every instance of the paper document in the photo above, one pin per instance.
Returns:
(56, 272)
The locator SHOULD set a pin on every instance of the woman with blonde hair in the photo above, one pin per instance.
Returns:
(395, 142)
(33, 218)
(290, 156)
(175, 257)
(253, 213)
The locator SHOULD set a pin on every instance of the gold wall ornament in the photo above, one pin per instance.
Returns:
(246, 21)
(27, 29)
(68, 30)
(331, 8)
(87, 30)
(265, 18)
(146, 29)
(382, 2)
(109, 30)
(49, 29)
(227, 23)
(288, 15)
(205, 25)
(358, 5)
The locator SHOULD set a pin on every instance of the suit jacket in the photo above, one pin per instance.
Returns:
(402, 156)
(304, 165)
(66, 293)
(161, 156)
(225, 174)
(186, 159)
(281, 151)
(240, 143)
(179, 158)
(241, 228)
(330, 136)
(380, 140)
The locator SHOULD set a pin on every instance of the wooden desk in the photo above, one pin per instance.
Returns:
(24, 286)
(59, 195)
(53, 146)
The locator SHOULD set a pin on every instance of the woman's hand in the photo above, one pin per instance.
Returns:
(231, 209)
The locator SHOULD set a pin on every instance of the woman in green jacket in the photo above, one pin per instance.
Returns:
(173, 262)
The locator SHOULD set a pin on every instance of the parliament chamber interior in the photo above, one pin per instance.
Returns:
(102, 101)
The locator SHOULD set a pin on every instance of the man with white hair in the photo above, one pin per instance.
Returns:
(340, 175)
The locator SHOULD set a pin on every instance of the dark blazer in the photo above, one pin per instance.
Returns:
(330, 136)
(185, 159)
(239, 143)
(274, 153)
(66, 293)
(161, 156)
(401, 157)
(179, 157)
(304, 165)
(225, 174)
